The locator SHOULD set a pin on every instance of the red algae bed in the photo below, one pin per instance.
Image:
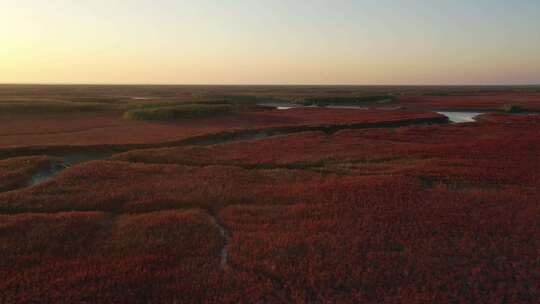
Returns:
(442, 213)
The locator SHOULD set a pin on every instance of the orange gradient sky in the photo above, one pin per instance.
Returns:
(270, 42)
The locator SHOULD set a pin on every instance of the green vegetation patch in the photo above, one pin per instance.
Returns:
(107, 100)
(246, 100)
(509, 108)
(354, 100)
(179, 111)
(23, 107)
(140, 105)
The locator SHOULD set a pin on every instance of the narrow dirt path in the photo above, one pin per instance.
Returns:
(280, 286)
(224, 253)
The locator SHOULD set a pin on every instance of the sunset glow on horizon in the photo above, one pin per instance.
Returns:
(270, 42)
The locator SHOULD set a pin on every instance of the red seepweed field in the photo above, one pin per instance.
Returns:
(393, 204)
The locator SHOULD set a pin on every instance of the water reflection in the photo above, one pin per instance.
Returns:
(460, 117)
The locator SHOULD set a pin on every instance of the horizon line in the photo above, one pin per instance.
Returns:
(265, 84)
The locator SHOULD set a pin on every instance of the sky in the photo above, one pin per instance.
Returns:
(364, 42)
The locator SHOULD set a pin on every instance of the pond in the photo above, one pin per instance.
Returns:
(460, 117)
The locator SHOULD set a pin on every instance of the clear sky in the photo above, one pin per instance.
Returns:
(270, 41)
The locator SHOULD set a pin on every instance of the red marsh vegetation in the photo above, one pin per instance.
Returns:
(410, 215)
(15, 172)
(483, 102)
(372, 211)
(111, 129)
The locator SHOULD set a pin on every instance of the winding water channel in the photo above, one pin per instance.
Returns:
(74, 158)
(68, 160)
(453, 116)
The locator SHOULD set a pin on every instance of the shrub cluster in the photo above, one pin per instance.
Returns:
(511, 108)
(177, 112)
(23, 107)
(340, 100)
